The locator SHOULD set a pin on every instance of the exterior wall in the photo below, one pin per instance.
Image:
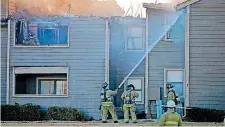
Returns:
(3, 8)
(207, 54)
(85, 58)
(4, 34)
(165, 54)
(4, 38)
(123, 61)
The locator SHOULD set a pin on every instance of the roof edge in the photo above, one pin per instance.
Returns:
(185, 4)
(159, 6)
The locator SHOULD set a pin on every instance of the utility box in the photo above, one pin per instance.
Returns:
(153, 97)
(154, 94)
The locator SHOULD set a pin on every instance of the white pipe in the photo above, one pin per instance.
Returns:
(107, 52)
(8, 60)
(149, 50)
(187, 51)
(146, 63)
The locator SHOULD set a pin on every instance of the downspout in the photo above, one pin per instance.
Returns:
(187, 51)
(8, 60)
(146, 64)
(107, 52)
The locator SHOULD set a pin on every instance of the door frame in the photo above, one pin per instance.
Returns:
(185, 88)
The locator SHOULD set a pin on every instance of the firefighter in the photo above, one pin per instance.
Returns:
(171, 117)
(107, 104)
(171, 94)
(129, 103)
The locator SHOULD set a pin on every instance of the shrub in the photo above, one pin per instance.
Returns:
(205, 115)
(27, 112)
(10, 113)
(66, 114)
(30, 112)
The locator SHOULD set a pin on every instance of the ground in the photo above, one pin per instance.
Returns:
(97, 123)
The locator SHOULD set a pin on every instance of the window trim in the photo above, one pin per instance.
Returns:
(143, 39)
(49, 78)
(166, 35)
(142, 86)
(35, 95)
(39, 46)
(166, 38)
(165, 79)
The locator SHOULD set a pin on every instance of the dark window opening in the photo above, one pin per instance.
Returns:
(28, 33)
(41, 84)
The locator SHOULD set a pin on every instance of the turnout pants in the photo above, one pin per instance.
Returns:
(129, 108)
(108, 107)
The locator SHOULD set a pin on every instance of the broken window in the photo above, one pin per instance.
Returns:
(41, 81)
(48, 34)
(135, 40)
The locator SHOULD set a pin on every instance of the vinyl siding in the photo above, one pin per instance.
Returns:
(85, 58)
(165, 54)
(4, 38)
(207, 54)
(122, 61)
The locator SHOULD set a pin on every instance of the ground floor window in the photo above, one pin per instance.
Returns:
(35, 81)
(138, 83)
(174, 77)
(52, 86)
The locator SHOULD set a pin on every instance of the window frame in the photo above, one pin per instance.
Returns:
(166, 37)
(36, 95)
(40, 46)
(142, 90)
(127, 38)
(165, 80)
(49, 78)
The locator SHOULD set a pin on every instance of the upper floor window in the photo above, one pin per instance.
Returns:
(135, 39)
(41, 34)
(167, 36)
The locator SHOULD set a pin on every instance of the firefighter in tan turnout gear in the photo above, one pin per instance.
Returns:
(171, 117)
(171, 94)
(129, 103)
(107, 104)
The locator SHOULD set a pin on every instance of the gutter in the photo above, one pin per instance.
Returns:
(8, 60)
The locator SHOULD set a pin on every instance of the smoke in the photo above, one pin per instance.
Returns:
(75, 7)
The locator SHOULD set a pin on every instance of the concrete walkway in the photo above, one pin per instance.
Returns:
(141, 123)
